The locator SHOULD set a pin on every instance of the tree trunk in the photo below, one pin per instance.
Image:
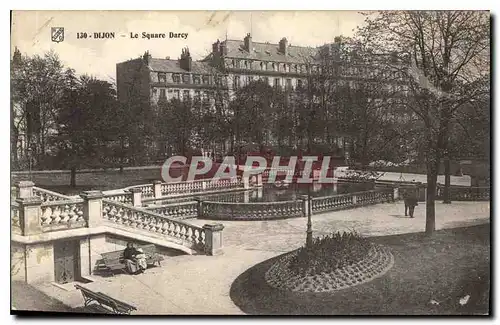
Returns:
(447, 180)
(430, 211)
(73, 177)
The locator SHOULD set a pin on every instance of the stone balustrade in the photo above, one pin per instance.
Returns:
(352, 200)
(198, 186)
(141, 219)
(251, 211)
(178, 211)
(49, 196)
(15, 220)
(120, 197)
(465, 193)
(332, 203)
(62, 215)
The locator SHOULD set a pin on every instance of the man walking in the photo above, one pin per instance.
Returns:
(410, 197)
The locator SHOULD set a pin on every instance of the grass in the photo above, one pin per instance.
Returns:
(444, 268)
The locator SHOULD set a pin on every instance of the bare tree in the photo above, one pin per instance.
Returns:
(449, 52)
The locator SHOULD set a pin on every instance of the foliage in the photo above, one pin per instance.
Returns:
(329, 253)
(86, 122)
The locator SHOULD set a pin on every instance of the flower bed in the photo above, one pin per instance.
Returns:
(289, 272)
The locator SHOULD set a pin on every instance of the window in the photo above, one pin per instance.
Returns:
(196, 79)
(289, 84)
(177, 94)
(285, 68)
(154, 91)
(185, 78)
(249, 79)
(162, 77)
(276, 82)
(274, 67)
(176, 78)
(266, 80)
(246, 64)
(197, 95)
(185, 94)
(205, 80)
(262, 66)
(163, 93)
(299, 83)
(236, 82)
(296, 68)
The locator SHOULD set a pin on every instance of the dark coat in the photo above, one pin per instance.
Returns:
(410, 196)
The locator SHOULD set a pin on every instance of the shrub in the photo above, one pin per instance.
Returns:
(329, 253)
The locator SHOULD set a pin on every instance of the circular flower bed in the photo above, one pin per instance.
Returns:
(283, 275)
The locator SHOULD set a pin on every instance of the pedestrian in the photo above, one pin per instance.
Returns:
(411, 201)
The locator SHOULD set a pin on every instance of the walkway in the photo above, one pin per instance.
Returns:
(200, 284)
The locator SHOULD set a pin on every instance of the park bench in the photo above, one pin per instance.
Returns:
(98, 301)
(113, 261)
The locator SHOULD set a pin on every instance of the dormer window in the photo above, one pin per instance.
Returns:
(176, 77)
(162, 77)
(196, 80)
(185, 78)
(205, 80)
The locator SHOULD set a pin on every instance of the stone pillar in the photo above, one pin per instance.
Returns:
(25, 189)
(199, 207)
(213, 239)
(246, 182)
(136, 196)
(354, 199)
(92, 207)
(29, 215)
(157, 189)
(305, 205)
(85, 265)
(246, 196)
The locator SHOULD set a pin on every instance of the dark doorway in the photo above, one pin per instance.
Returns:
(66, 256)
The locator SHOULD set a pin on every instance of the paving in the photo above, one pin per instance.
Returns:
(200, 284)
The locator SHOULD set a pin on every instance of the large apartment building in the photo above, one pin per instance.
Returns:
(233, 64)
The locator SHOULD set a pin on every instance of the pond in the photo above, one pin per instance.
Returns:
(270, 193)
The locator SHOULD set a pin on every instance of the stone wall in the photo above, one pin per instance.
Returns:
(18, 262)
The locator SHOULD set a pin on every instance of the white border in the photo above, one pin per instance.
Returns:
(192, 5)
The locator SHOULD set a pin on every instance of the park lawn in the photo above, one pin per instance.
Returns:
(450, 265)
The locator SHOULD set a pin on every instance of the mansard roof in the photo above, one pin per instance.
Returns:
(173, 66)
(270, 52)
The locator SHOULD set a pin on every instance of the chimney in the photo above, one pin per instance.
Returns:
(223, 48)
(167, 58)
(146, 57)
(216, 47)
(248, 42)
(283, 45)
(185, 61)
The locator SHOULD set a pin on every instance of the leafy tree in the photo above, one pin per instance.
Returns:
(86, 123)
(37, 86)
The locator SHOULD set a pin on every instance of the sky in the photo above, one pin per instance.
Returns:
(31, 33)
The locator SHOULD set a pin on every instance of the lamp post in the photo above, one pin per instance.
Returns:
(309, 222)
(29, 162)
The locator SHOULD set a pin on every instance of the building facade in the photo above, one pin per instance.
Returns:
(233, 64)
